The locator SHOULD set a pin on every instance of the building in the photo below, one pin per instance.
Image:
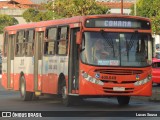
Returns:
(40, 1)
(115, 5)
(14, 8)
(19, 4)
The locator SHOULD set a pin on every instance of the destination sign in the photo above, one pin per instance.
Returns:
(117, 23)
(109, 23)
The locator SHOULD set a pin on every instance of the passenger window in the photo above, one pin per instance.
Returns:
(5, 44)
(62, 42)
(49, 44)
(20, 43)
(29, 43)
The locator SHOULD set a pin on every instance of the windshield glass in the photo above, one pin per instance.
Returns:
(116, 49)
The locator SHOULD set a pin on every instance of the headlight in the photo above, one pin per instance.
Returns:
(91, 79)
(144, 81)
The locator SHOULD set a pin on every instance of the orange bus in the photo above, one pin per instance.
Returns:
(84, 56)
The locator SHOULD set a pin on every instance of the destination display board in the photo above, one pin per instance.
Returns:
(117, 23)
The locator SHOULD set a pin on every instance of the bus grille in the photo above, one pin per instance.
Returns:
(119, 71)
(115, 81)
(110, 90)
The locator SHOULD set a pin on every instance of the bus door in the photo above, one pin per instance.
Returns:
(10, 61)
(38, 61)
(73, 64)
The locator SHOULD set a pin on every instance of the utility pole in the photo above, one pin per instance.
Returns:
(122, 7)
(135, 7)
(53, 7)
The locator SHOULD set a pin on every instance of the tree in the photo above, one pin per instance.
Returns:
(6, 20)
(69, 8)
(34, 15)
(63, 9)
(150, 9)
(29, 14)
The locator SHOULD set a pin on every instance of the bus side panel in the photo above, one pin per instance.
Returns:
(29, 73)
(50, 75)
(16, 82)
(45, 83)
(52, 68)
(4, 80)
(39, 75)
(53, 82)
(12, 74)
(4, 72)
(23, 65)
(50, 83)
(29, 82)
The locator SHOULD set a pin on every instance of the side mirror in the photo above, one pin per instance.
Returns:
(78, 38)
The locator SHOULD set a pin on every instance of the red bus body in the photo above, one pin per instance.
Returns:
(43, 73)
(156, 71)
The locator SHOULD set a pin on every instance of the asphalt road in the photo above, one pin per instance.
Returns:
(11, 101)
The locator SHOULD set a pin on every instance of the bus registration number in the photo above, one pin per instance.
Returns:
(118, 88)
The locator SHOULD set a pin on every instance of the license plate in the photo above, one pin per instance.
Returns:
(118, 88)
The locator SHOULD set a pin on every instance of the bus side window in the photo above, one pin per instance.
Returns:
(49, 45)
(20, 43)
(29, 42)
(62, 42)
(5, 44)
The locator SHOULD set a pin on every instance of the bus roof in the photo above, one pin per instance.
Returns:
(67, 21)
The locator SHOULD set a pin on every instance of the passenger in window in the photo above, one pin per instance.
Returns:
(99, 52)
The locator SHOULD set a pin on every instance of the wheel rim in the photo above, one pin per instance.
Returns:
(64, 92)
(22, 89)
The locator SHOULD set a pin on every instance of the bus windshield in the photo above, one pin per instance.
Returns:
(116, 49)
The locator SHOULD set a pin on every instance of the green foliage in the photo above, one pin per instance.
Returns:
(6, 20)
(33, 15)
(150, 9)
(48, 6)
(69, 8)
(29, 14)
(63, 9)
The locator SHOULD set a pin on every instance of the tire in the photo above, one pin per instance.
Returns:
(66, 99)
(25, 95)
(123, 100)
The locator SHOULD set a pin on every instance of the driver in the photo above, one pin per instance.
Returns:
(99, 51)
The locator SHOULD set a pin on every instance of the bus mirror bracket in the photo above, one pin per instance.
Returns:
(78, 36)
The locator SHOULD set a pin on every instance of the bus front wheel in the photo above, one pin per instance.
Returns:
(66, 99)
(25, 95)
(123, 100)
